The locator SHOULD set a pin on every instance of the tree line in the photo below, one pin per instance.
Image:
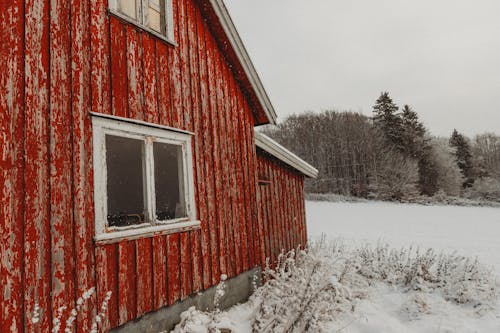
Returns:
(390, 155)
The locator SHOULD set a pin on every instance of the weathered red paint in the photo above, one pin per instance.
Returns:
(281, 200)
(66, 59)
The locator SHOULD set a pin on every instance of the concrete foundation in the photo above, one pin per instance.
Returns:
(237, 290)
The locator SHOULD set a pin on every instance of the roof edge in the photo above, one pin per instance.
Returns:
(275, 149)
(239, 48)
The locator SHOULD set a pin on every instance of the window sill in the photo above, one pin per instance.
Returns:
(131, 21)
(146, 232)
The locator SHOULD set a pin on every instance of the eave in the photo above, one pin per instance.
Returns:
(236, 54)
(284, 155)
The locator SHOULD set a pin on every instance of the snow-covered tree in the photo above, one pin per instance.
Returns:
(449, 177)
(463, 156)
(413, 132)
(396, 176)
(386, 117)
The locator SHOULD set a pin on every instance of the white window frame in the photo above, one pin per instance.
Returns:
(142, 18)
(127, 128)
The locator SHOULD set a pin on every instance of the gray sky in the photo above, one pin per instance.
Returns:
(440, 56)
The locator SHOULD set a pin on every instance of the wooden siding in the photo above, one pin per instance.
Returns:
(61, 60)
(281, 207)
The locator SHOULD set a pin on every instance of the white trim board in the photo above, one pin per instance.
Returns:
(148, 133)
(275, 149)
(242, 54)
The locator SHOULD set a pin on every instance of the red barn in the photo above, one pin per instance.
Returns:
(130, 165)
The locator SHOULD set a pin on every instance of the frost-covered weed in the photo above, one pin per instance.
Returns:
(302, 292)
(458, 279)
(307, 290)
(73, 314)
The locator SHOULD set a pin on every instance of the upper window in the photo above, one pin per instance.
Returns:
(143, 176)
(154, 15)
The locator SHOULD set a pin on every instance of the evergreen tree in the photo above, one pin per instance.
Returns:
(388, 120)
(463, 156)
(413, 132)
(428, 173)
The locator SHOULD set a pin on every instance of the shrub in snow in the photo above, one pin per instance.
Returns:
(459, 279)
(485, 189)
(307, 290)
(396, 177)
(301, 293)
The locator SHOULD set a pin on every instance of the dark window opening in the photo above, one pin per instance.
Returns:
(125, 181)
(169, 185)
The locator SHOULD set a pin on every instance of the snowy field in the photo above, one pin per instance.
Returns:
(469, 231)
(359, 288)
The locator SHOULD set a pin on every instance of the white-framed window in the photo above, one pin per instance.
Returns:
(153, 15)
(143, 178)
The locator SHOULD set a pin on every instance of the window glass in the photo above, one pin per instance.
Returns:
(169, 185)
(128, 7)
(156, 16)
(125, 181)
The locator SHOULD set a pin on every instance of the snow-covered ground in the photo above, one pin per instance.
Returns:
(469, 231)
(364, 287)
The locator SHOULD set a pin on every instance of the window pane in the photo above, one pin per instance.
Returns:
(128, 7)
(125, 177)
(169, 182)
(156, 16)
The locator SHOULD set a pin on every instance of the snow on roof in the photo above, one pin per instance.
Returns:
(275, 149)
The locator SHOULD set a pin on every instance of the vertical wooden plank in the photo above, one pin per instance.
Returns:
(219, 265)
(252, 219)
(303, 213)
(37, 237)
(106, 270)
(301, 221)
(101, 52)
(160, 272)
(185, 265)
(196, 260)
(293, 210)
(119, 85)
(261, 206)
(127, 278)
(282, 205)
(135, 74)
(61, 210)
(245, 228)
(268, 207)
(173, 267)
(163, 82)
(273, 213)
(220, 116)
(11, 167)
(209, 246)
(102, 72)
(239, 190)
(265, 202)
(144, 273)
(298, 198)
(175, 74)
(279, 206)
(257, 249)
(83, 207)
(185, 64)
(150, 75)
(288, 175)
(297, 222)
(231, 118)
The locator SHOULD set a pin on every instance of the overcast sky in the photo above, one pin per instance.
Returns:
(440, 56)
